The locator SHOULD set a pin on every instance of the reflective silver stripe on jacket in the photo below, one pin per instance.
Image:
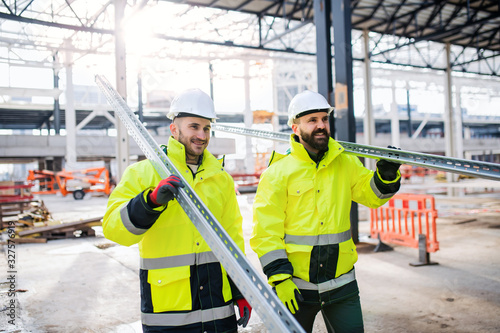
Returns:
(128, 224)
(180, 260)
(180, 319)
(377, 192)
(328, 285)
(319, 239)
(272, 256)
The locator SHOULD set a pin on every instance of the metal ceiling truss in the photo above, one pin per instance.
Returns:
(407, 33)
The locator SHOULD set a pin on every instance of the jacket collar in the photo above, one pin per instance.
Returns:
(209, 164)
(298, 150)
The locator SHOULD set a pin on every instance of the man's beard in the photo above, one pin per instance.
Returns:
(320, 144)
(187, 145)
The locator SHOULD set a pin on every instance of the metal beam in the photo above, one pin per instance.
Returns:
(54, 24)
(454, 165)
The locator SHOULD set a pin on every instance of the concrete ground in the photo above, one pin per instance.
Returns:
(91, 284)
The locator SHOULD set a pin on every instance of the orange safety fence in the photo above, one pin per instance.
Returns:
(404, 220)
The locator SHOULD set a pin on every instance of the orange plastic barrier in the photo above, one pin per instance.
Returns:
(405, 220)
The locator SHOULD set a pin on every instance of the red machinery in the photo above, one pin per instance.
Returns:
(77, 182)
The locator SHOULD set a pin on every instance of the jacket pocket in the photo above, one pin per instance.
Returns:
(301, 201)
(347, 258)
(300, 188)
(170, 289)
(300, 257)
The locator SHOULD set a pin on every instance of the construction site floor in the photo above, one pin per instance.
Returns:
(92, 285)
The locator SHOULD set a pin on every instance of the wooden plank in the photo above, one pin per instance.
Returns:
(27, 201)
(75, 225)
(14, 208)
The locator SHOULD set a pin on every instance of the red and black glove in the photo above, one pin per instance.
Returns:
(166, 190)
(245, 310)
(388, 170)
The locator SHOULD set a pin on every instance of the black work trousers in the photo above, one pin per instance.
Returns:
(343, 316)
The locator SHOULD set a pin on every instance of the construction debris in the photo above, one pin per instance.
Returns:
(64, 230)
(32, 223)
(26, 212)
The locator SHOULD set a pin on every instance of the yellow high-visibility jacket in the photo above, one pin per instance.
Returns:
(178, 271)
(301, 215)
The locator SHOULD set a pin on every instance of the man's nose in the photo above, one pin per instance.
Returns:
(202, 135)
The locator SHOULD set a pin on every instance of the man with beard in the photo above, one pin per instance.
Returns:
(183, 286)
(301, 228)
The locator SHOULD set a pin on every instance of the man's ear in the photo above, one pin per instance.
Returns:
(173, 129)
(295, 128)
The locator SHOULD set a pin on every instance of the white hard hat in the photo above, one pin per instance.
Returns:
(192, 102)
(307, 101)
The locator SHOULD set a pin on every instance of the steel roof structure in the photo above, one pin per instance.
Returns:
(472, 27)
(34, 33)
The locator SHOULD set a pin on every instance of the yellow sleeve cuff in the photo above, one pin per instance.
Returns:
(388, 181)
(277, 278)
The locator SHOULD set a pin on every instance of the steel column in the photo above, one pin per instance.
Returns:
(70, 112)
(248, 119)
(448, 113)
(345, 123)
(122, 151)
(408, 110)
(323, 23)
(458, 121)
(57, 109)
(368, 120)
(395, 137)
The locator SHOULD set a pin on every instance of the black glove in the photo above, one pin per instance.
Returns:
(165, 190)
(388, 170)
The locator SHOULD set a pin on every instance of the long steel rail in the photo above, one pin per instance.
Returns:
(448, 164)
(264, 301)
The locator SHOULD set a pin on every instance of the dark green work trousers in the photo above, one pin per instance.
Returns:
(343, 316)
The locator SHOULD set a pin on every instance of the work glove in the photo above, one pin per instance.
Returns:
(388, 170)
(165, 190)
(245, 310)
(288, 293)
